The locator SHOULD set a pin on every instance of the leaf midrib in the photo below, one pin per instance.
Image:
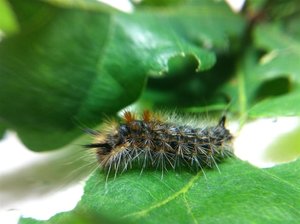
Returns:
(170, 198)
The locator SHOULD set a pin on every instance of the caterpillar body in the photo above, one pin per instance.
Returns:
(155, 141)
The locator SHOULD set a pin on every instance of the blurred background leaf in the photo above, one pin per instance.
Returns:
(2, 130)
(281, 61)
(72, 64)
(8, 22)
(267, 79)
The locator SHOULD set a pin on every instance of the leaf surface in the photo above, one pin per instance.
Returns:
(280, 61)
(236, 195)
(8, 22)
(73, 63)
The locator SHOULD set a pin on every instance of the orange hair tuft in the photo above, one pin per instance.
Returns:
(128, 116)
(146, 116)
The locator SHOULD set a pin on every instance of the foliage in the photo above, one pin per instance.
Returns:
(64, 63)
(236, 195)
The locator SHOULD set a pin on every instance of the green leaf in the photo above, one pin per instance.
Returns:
(76, 64)
(199, 88)
(156, 3)
(279, 106)
(283, 53)
(267, 85)
(8, 22)
(2, 130)
(51, 68)
(92, 5)
(280, 61)
(191, 198)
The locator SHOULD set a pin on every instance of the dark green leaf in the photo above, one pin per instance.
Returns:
(74, 65)
(156, 3)
(2, 130)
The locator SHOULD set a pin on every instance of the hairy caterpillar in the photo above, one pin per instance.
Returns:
(157, 141)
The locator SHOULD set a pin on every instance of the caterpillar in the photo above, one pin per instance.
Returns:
(154, 140)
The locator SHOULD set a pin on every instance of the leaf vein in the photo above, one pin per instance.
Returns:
(278, 179)
(161, 203)
(189, 209)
